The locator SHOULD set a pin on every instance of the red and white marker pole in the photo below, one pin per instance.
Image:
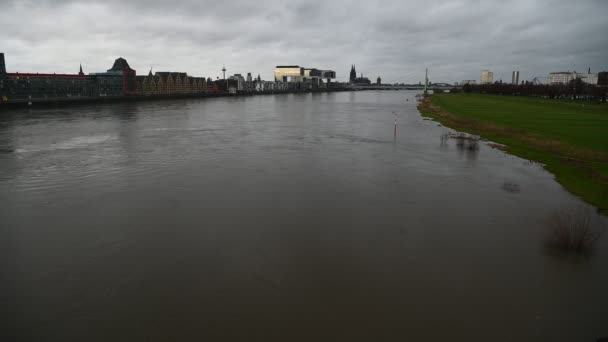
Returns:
(395, 123)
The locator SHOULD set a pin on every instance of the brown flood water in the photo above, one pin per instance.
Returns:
(289, 217)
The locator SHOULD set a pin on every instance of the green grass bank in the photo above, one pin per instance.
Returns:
(569, 137)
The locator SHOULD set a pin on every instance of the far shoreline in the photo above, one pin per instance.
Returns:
(45, 103)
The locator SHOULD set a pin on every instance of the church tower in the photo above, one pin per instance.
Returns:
(80, 73)
(353, 73)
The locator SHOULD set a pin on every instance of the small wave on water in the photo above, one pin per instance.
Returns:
(6, 150)
(162, 129)
(358, 139)
(73, 143)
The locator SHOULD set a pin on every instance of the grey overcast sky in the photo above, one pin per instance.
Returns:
(392, 39)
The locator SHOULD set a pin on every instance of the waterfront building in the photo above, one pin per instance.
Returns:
(178, 82)
(565, 77)
(378, 81)
(561, 77)
(171, 83)
(602, 78)
(195, 84)
(353, 79)
(117, 81)
(249, 83)
(2, 65)
(44, 86)
(148, 84)
(316, 76)
(288, 73)
(161, 85)
(140, 80)
(302, 78)
(109, 84)
(266, 86)
(187, 85)
(353, 74)
(589, 77)
(201, 85)
(29, 86)
(361, 81)
(166, 79)
(3, 98)
(487, 77)
(258, 85)
(239, 83)
(120, 80)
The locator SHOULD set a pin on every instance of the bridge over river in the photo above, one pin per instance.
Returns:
(443, 87)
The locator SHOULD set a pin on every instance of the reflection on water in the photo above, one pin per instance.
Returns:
(445, 137)
(263, 218)
(511, 187)
(466, 145)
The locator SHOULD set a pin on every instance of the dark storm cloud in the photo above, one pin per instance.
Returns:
(396, 40)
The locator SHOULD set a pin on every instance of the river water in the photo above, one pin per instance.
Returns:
(287, 217)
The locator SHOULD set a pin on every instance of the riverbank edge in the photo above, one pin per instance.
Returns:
(576, 175)
(40, 102)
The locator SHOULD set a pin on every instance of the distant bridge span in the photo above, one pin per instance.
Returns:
(401, 87)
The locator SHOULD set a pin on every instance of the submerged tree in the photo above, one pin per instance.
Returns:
(572, 230)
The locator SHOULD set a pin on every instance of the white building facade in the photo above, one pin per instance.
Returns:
(565, 77)
(487, 77)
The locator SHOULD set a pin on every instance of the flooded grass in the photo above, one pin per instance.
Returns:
(463, 136)
(569, 140)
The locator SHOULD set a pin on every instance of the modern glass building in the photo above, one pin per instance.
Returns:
(288, 73)
(303, 78)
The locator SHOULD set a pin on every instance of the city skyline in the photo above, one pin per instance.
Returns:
(395, 41)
